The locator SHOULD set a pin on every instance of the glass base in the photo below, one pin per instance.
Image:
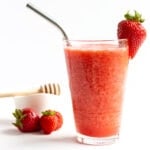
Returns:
(97, 140)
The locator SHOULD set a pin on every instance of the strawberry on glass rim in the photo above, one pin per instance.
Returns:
(132, 29)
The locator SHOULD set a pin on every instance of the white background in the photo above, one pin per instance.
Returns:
(31, 53)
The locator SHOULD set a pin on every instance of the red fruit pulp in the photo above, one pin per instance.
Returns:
(97, 75)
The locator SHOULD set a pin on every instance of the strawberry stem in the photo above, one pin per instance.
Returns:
(49, 113)
(136, 17)
(19, 116)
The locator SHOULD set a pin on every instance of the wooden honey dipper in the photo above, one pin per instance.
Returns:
(49, 88)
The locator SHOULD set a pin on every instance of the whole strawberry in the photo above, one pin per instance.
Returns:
(26, 120)
(50, 121)
(132, 29)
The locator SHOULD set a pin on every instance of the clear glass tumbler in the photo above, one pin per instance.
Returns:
(97, 71)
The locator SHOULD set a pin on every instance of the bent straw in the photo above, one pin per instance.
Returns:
(50, 20)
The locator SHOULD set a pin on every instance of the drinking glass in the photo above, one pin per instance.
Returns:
(97, 72)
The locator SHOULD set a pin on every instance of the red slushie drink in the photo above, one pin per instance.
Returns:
(97, 72)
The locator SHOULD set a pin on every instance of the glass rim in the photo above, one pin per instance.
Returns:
(76, 43)
(97, 41)
(94, 40)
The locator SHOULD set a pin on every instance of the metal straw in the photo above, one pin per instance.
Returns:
(50, 20)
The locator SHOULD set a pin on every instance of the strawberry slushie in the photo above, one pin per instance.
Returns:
(97, 72)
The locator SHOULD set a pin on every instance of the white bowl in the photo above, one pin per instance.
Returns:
(38, 102)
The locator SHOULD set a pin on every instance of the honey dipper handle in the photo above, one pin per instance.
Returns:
(19, 93)
(47, 88)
